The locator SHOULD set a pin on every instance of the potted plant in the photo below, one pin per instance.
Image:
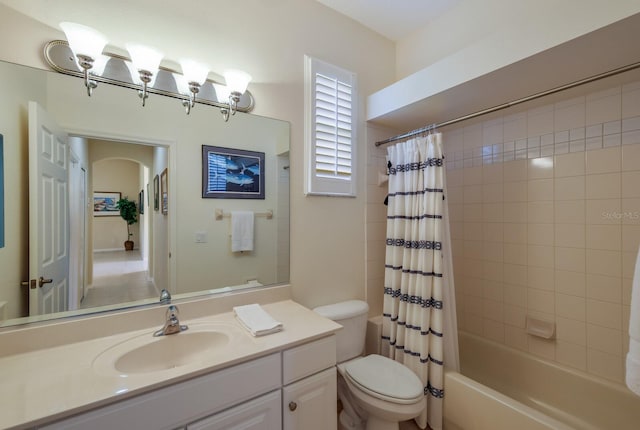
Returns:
(129, 213)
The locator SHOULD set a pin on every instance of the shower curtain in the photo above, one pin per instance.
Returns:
(419, 320)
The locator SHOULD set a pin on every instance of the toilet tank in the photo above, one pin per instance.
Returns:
(352, 316)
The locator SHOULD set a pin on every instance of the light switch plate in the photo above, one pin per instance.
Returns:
(201, 237)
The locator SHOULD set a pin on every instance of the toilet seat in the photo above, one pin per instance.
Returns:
(384, 379)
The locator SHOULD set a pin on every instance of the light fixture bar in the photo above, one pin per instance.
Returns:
(59, 57)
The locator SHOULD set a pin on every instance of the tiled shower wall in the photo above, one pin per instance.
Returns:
(545, 222)
(376, 217)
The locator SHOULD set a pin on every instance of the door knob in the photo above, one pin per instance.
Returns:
(292, 406)
(44, 281)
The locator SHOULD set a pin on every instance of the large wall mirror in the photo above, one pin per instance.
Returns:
(152, 155)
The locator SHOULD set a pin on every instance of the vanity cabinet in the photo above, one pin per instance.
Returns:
(294, 389)
(310, 404)
(310, 386)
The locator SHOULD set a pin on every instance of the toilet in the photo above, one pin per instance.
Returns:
(376, 392)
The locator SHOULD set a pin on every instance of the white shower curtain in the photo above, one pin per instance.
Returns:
(419, 322)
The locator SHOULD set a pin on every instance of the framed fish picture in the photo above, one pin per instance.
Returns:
(229, 173)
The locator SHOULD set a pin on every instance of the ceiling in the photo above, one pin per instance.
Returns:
(394, 19)
(616, 46)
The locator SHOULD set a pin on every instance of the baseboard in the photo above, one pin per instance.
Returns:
(112, 249)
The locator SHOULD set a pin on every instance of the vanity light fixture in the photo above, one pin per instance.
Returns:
(195, 74)
(87, 45)
(81, 55)
(237, 82)
(145, 61)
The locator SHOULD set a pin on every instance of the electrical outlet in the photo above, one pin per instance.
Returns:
(201, 236)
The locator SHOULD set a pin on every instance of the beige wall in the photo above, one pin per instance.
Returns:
(545, 222)
(122, 176)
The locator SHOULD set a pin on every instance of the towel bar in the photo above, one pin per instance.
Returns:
(222, 214)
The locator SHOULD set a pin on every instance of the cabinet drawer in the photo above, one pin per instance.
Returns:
(262, 413)
(171, 407)
(308, 359)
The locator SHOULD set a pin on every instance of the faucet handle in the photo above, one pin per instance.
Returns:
(165, 296)
(172, 312)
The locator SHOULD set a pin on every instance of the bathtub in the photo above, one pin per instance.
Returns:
(502, 389)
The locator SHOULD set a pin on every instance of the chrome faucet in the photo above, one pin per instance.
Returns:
(165, 297)
(172, 324)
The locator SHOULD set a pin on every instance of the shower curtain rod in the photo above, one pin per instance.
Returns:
(511, 103)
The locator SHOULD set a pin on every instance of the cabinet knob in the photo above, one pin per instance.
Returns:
(292, 406)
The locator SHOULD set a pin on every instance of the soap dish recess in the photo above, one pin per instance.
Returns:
(540, 328)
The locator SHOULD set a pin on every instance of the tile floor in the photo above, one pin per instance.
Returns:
(118, 277)
(405, 425)
(409, 425)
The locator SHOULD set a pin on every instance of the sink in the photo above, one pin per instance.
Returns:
(146, 354)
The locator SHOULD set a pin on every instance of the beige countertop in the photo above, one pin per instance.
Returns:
(44, 385)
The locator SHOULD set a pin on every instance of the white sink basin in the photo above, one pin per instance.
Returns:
(146, 353)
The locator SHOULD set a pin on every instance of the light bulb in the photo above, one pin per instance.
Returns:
(237, 80)
(144, 57)
(194, 71)
(84, 40)
(222, 93)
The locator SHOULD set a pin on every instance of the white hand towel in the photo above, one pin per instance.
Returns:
(633, 357)
(241, 231)
(256, 320)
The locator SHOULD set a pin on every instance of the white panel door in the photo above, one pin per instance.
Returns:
(310, 404)
(48, 214)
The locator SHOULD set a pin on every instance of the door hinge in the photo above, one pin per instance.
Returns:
(31, 284)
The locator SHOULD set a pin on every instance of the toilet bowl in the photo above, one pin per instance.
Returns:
(385, 390)
(376, 392)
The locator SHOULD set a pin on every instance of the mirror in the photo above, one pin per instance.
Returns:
(192, 254)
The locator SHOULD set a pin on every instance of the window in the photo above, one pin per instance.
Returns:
(330, 129)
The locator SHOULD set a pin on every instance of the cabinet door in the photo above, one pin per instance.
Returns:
(310, 404)
(262, 413)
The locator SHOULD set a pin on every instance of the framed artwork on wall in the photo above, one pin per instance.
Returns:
(229, 173)
(105, 203)
(156, 193)
(141, 202)
(164, 192)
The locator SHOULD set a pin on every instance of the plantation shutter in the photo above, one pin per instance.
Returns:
(330, 114)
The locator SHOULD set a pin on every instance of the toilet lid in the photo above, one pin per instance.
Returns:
(385, 377)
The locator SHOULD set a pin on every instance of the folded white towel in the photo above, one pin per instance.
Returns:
(633, 357)
(241, 231)
(256, 320)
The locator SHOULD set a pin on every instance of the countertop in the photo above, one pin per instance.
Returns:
(48, 384)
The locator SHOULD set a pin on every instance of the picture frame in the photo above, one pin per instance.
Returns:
(164, 192)
(105, 203)
(141, 202)
(229, 173)
(156, 193)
